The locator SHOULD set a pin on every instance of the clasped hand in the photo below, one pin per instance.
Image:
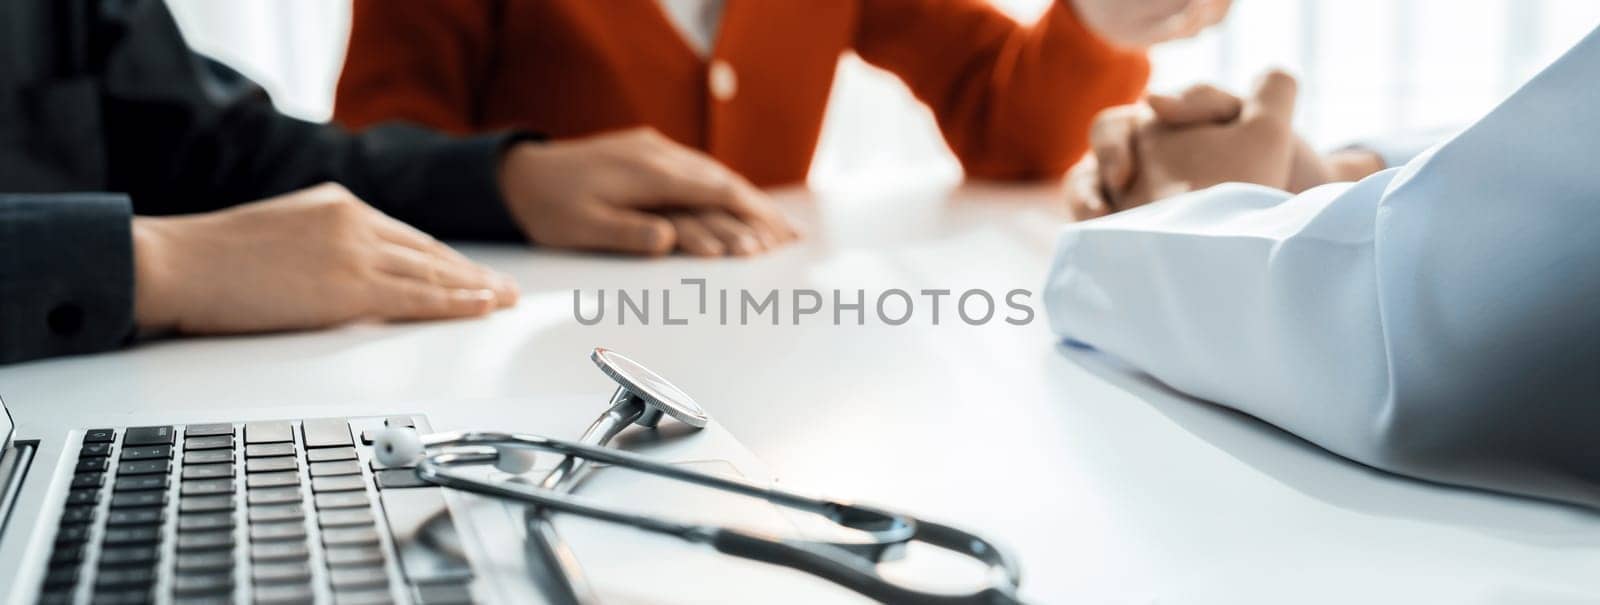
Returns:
(1169, 145)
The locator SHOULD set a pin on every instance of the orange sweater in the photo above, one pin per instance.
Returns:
(1014, 102)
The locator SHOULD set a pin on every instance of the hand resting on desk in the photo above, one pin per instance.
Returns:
(308, 259)
(608, 192)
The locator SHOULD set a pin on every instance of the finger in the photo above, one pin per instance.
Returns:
(613, 229)
(1200, 104)
(1111, 140)
(765, 213)
(400, 261)
(693, 236)
(408, 299)
(1082, 188)
(1274, 96)
(392, 230)
(737, 237)
(688, 178)
(402, 235)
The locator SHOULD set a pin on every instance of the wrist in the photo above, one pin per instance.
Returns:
(524, 174)
(152, 275)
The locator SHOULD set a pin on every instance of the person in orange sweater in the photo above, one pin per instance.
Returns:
(746, 82)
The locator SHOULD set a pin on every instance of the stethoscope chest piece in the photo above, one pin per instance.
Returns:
(636, 381)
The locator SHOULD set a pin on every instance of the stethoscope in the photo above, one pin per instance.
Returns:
(643, 397)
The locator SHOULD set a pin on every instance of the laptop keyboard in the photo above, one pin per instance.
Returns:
(254, 512)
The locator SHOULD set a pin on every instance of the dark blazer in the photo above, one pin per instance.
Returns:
(105, 113)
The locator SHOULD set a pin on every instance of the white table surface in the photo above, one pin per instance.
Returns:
(1109, 487)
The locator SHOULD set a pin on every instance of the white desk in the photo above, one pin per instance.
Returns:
(1110, 488)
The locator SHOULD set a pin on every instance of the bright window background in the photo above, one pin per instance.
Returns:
(1367, 67)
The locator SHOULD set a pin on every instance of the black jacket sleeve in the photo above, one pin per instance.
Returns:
(185, 134)
(66, 274)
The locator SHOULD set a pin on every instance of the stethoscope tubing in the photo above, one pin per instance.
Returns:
(848, 564)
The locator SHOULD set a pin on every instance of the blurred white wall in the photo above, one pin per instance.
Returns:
(1367, 67)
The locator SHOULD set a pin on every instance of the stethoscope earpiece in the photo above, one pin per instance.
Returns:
(514, 460)
(397, 446)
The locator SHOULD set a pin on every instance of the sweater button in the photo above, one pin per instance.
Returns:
(723, 81)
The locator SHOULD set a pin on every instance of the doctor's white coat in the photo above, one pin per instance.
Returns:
(1440, 320)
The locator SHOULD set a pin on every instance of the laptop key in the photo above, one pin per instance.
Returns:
(442, 594)
(131, 535)
(94, 449)
(148, 435)
(342, 500)
(271, 463)
(136, 516)
(65, 554)
(207, 456)
(326, 432)
(204, 487)
(80, 514)
(138, 499)
(273, 594)
(96, 464)
(130, 577)
(205, 540)
(294, 571)
(216, 560)
(140, 483)
(129, 555)
(373, 596)
(208, 430)
(144, 467)
(277, 512)
(338, 484)
(269, 449)
(277, 531)
(350, 536)
(330, 454)
(353, 556)
(88, 480)
(398, 478)
(268, 432)
(224, 442)
(345, 516)
(333, 468)
(287, 550)
(146, 452)
(64, 576)
(99, 436)
(274, 479)
(123, 596)
(200, 584)
(72, 534)
(204, 504)
(273, 495)
(83, 496)
(207, 471)
(205, 521)
(357, 577)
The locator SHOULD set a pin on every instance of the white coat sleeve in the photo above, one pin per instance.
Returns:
(1440, 320)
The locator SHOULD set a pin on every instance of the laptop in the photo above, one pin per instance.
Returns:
(299, 510)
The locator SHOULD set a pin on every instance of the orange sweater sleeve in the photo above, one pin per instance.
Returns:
(1013, 101)
(419, 62)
